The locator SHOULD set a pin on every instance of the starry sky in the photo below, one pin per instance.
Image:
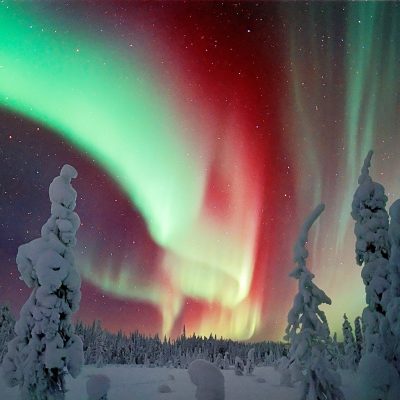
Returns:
(203, 134)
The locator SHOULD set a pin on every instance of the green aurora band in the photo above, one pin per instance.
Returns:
(105, 105)
(372, 75)
(110, 108)
(344, 79)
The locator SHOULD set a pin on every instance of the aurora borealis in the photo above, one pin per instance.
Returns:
(203, 134)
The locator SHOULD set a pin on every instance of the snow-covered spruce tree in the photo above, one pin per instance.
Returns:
(334, 354)
(372, 253)
(7, 323)
(239, 366)
(308, 331)
(393, 307)
(250, 363)
(45, 348)
(101, 350)
(359, 338)
(349, 344)
(219, 361)
(377, 372)
(226, 360)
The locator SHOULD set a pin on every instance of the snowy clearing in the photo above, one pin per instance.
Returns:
(136, 383)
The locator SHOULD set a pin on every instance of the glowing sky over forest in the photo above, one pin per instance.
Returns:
(203, 134)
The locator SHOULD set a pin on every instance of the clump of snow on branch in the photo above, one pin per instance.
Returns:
(7, 323)
(45, 347)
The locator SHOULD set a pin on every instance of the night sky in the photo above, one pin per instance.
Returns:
(203, 134)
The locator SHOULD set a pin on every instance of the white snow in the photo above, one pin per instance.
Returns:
(137, 383)
(97, 386)
(132, 382)
(377, 379)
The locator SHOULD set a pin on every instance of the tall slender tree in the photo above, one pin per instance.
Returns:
(349, 344)
(45, 347)
(334, 353)
(372, 253)
(359, 337)
(308, 331)
(377, 367)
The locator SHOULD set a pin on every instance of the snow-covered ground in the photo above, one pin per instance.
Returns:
(136, 383)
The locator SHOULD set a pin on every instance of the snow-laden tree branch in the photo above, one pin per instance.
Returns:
(308, 330)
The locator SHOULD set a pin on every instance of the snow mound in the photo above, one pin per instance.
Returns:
(208, 379)
(171, 377)
(164, 388)
(97, 387)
